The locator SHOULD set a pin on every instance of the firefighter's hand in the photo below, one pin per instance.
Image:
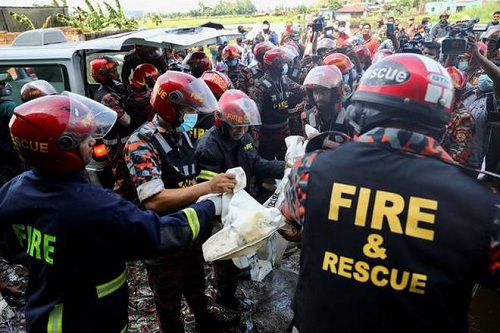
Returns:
(223, 182)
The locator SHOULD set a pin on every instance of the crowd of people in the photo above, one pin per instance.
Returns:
(395, 208)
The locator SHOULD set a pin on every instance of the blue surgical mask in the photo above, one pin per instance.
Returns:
(285, 69)
(463, 65)
(232, 62)
(485, 83)
(346, 78)
(188, 123)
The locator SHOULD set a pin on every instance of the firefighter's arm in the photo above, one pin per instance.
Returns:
(171, 199)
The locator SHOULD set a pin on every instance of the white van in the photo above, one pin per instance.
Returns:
(46, 54)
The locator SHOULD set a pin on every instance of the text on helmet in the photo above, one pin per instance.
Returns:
(35, 146)
(388, 73)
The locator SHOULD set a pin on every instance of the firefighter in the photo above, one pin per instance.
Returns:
(196, 63)
(104, 70)
(228, 145)
(76, 237)
(323, 109)
(239, 73)
(141, 54)
(389, 243)
(160, 158)
(137, 102)
(275, 94)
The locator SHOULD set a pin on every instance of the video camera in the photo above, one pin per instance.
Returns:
(318, 24)
(413, 45)
(455, 43)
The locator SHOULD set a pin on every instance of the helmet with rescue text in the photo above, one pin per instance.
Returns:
(174, 90)
(218, 82)
(48, 132)
(236, 109)
(407, 89)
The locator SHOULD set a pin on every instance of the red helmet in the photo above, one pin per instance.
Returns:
(174, 89)
(47, 131)
(327, 77)
(35, 89)
(237, 109)
(381, 54)
(407, 87)
(364, 55)
(196, 63)
(326, 45)
(103, 69)
(261, 48)
(458, 78)
(291, 53)
(341, 61)
(144, 76)
(231, 52)
(217, 82)
(275, 58)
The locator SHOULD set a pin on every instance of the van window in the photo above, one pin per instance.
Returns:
(116, 55)
(18, 76)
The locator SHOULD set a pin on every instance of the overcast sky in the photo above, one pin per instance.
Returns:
(166, 6)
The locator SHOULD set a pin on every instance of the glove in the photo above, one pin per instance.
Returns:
(217, 200)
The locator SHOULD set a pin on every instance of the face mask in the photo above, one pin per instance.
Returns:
(232, 62)
(188, 123)
(346, 78)
(485, 83)
(285, 69)
(462, 66)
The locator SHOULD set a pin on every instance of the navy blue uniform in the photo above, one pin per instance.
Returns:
(394, 237)
(76, 239)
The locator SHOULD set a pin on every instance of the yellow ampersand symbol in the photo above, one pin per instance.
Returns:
(373, 248)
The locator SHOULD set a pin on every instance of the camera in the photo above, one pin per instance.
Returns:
(413, 45)
(318, 24)
(455, 43)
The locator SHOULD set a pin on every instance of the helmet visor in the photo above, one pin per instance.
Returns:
(88, 117)
(196, 95)
(244, 113)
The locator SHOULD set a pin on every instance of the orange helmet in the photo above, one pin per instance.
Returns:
(458, 78)
(341, 61)
(405, 87)
(237, 109)
(144, 76)
(47, 131)
(104, 69)
(196, 63)
(174, 89)
(217, 82)
(231, 52)
(35, 89)
(261, 48)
